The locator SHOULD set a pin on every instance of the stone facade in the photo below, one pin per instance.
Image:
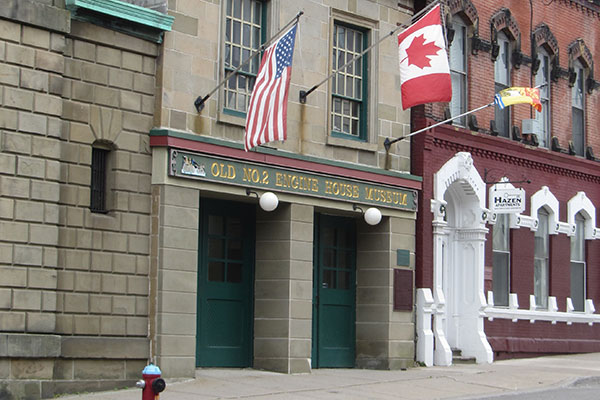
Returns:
(73, 283)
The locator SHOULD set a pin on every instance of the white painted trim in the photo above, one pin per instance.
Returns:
(514, 313)
(545, 198)
(581, 203)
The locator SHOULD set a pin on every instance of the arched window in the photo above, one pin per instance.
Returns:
(458, 70)
(501, 260)
(578, 109)
(502, 81)
(542, 80)
(541, 275)
(578, 270)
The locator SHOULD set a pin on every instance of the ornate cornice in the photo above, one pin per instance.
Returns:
(494, 155)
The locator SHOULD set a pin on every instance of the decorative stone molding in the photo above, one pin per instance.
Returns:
(504, 21)
(545, 198)
(580, 203)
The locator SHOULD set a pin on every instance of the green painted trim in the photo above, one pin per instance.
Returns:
(263, 150)
(129, 12)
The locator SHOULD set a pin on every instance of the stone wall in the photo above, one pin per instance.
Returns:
(72, 281)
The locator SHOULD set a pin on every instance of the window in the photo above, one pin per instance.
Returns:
(98, 182)
(541, 256)
(501, 260)
(543, 78)
(578, 264)
(577, 106)
(458, 71)
(349, 86)
(502, 81)
(244, 33)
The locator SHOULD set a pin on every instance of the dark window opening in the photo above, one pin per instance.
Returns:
(98, 185)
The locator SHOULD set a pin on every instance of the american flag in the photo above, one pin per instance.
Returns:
(267, 112)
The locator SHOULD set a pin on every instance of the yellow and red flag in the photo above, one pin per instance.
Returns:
(519, 95)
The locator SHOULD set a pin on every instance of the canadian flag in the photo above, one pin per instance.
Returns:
(424, 70)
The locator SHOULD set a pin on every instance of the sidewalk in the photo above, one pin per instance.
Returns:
(456, 382)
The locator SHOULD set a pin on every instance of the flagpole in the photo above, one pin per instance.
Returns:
(305, 93)
(387, 143)
(199, 102)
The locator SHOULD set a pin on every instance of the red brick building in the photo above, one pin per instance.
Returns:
(501, 283)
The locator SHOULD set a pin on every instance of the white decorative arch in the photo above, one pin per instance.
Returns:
(459, 167)
(545, 198)
(580, 203)
(459, 232)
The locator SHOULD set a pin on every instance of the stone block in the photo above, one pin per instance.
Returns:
(14, 187)
(138, 285)
(84, 50)
(48, 148)
(184, 24)
(41, 322)
(13, 276)
(27, 299)
(34, 80)
(31, 167)
(46, 104)
(132, 61)
(36, 13)
(120, 78)
(130, 101)
(10, 31)
(47, 61)
(6, 253)
(47, 191)
(64, 324)
(106, 96)
(114, 283)
(124, 263)
(82, 91)
(33, 123)
(101, 262)
(18, 98)
(42, 278)
(49, 301)
(57, 42)
(123, 305)
(76, 302)
(74, 111)
(5, 301)
(43, 234)
(87, 282)
(27, 255)
(172, 302)
(144, 83)
(149, 65)
(100, 304)
(74, 68)
(137, 326)
(7, 208)
(176, 345)
(12, 321)
(9, 75)
(95, 73)
(77, 259)
(109, 56)
(148, 104)
(88, 347)
(63, 369)
(86, 325)
(8, 119)
(113, 326)
(21, 55)
(24, 369)
(8, 163)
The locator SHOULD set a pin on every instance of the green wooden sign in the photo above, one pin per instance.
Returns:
(277, 179)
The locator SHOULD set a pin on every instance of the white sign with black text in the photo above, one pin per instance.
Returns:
(507, 200)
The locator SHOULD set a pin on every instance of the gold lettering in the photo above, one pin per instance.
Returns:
(214, 169)
(230, 172)
(278, 176)
(265, 178)
(294, 182)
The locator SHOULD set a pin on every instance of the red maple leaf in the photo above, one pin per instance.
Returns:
(418, 52)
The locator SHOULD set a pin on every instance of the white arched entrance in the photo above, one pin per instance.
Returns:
(458, 206)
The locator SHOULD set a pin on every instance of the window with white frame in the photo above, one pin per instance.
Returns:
(458, 70)
(578, 270)
(501, 260)
(541, 276)
(243, 33)
(578, 107)
(502, 81)
(542, 80)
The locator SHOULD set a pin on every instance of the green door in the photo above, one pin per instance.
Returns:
(225, 277)
(334, 292)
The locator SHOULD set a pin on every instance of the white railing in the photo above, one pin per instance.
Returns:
(551, 314)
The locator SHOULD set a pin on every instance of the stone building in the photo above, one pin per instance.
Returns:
(511, 281)
(78, 100)
(130, 230)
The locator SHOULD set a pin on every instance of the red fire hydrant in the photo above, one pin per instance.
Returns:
(152, 384)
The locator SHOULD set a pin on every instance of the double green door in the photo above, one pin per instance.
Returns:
(334, 292)
(225, 281)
